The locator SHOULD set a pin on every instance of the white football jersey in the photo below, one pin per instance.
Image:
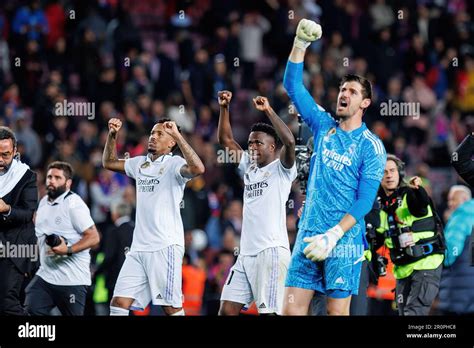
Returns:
(160, 189)
(265, 195)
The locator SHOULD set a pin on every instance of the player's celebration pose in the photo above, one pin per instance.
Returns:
(346, 170)
(260, 270)
(152, 268)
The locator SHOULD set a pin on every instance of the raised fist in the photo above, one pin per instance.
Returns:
(224, 97)
(114, 125)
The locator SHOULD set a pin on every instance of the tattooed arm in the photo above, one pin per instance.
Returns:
(194, 165)
(109, 157)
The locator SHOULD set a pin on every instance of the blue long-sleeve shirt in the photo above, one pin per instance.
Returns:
(346, 167)
(458, 228)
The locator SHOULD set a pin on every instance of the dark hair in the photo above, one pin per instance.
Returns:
(366, 85)
(266, 128)
(7, 133)
(64, 166)
(163, 120)
(400, 168)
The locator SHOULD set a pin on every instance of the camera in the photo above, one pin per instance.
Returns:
(303, 160)
(53, 240)
(303, 155)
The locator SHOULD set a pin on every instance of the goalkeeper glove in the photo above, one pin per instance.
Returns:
(321, 245)
(307, 32)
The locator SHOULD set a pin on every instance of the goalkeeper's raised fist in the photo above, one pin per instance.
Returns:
(307, 32)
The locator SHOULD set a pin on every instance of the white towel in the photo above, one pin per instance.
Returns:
(9, 180)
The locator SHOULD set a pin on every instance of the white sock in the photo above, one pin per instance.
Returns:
(118, 311)
(179, 313)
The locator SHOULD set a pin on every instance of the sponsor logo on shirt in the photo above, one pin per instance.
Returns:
(334, 160)
(147, 185)
(255, 190)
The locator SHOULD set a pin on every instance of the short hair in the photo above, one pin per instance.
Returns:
(461, 188)
(64, 166)
(266, 128)
(7, 133)
(366, 85)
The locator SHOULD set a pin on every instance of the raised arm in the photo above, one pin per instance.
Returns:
(311, 113)
(287, 155)
(194, 165)
(109, 157)
(224, 129)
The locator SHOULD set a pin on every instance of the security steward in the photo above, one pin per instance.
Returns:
(413, 232)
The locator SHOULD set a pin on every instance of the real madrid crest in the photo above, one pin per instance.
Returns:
(145, 165)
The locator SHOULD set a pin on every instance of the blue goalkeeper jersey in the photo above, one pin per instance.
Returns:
(341, 161)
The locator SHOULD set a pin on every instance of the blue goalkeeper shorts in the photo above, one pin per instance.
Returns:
(338, 274)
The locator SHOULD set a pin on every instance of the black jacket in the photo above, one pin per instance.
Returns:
(18, 227)
(461, 159)
(116, 240)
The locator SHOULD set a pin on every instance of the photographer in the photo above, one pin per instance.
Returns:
(410, 226)
(66, 233)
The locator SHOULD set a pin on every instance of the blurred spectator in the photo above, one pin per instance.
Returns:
(254, 26)
(56, 21)
(30, 22)
(106, 189)
(139, 84)
(194, 279)
(29, 139)
(456, 294)
(116, 242)
(465, 85)
(382, 15)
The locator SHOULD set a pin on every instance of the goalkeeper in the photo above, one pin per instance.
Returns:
(347, 166)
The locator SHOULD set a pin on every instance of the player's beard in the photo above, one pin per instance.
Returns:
(55, 192)
(342, 118)
(5, 169)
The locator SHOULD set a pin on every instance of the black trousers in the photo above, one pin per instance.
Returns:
(415, 294)
(11, 282)
(42, 297)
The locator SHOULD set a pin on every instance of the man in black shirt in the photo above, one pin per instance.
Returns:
(461, 159)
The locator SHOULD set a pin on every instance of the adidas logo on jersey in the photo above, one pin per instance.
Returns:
(262, 306)
(159, 297)
(340, 280)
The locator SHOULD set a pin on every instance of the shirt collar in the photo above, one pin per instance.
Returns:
(56, 201)
(160, 159)
(357, 131)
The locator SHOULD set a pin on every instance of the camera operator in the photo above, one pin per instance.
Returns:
(66, 233)
(411, 229)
